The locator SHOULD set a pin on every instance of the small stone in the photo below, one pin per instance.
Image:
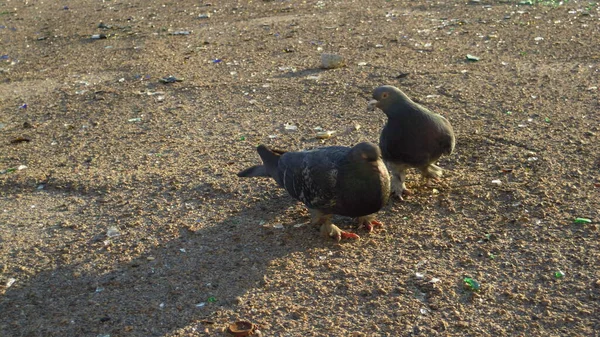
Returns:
(332, 61)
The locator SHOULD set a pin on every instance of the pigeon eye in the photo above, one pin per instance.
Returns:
(384, 95)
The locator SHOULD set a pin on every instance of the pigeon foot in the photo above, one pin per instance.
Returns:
(330, 230)
(368, 223)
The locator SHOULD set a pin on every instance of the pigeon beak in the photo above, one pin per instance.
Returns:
(372, 105)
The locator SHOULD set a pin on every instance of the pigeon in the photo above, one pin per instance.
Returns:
(340, 180)
(412, 137)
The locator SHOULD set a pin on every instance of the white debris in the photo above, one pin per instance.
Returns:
(290, 127)
(497, 182)
(112, 232)
(10, 282)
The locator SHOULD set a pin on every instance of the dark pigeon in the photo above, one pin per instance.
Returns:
(412, 137)
(331, 180)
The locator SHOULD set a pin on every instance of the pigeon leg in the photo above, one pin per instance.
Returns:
(398, 179)
(327, 228)
(368, 223)
(432, 171)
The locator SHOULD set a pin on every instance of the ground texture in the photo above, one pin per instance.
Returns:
(121, 213)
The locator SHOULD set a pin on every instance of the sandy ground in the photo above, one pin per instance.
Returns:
(121, 213)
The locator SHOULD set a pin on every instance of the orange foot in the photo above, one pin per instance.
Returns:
(348, 235)
(368, 223)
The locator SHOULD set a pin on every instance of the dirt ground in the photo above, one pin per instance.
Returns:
(121, 213)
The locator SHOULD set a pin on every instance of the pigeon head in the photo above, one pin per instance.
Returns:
(386, 97)
(365, 151)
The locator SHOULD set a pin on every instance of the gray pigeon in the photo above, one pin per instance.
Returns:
(330, 180)
(412, 137)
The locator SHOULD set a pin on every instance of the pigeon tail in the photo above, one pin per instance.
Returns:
(270, 165)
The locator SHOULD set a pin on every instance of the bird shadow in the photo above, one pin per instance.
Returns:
(192, 278)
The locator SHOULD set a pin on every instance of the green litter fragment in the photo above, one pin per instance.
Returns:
(212, 299)
(509, 112)
(547, 120)
(471, 284)
(472, 58)
(492, 256)
(8, 170)
(582, 220)
(242, 138)
(133, 120)
(559, 274)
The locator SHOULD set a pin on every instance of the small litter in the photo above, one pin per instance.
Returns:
(539, 38)
(133, 120)
(20, 139)
(362, 64)
(325, 134)
(10, 282)
(24, 106)
(419, 276)
(278, 226)
(180, 32)
(290, 127)
(98, 36)
(298, 225)
(272, 136)
(170, 79)
(241, 329)
(217, 61)
(242, 138)
(8, 170)
(378, 46)
(472, 58)
(547, 120)
(582, 220)
(434, 280)
(212, 299)
(559, 274)
(471, 284)
(204, 16)
(99, 289)
(497, 182)
(112, 232)
(21, 167)
(201, 304)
